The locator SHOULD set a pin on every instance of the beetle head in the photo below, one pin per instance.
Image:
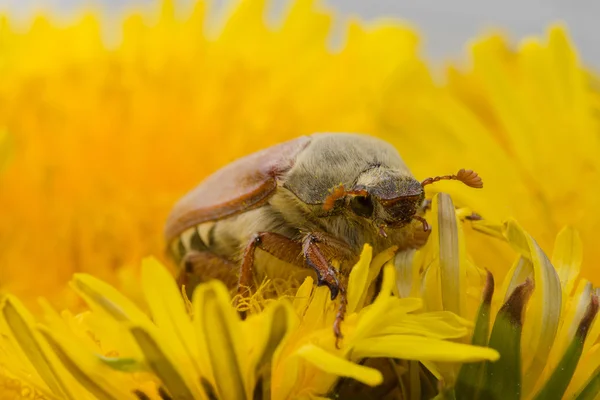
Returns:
(392, 198)
(387, 197)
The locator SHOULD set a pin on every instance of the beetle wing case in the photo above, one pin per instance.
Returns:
(244, 184)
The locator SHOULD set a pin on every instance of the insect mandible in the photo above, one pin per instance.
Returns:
(306, 202)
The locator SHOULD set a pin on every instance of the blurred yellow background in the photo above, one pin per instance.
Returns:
(97, 142)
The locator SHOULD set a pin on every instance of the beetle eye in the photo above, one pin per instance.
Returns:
(362, 206)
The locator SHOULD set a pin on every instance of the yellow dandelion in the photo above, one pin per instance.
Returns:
(542, 320)
(285, 351)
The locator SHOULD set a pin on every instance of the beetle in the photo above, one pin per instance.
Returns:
(306, 202)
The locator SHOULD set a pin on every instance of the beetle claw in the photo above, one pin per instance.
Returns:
(333, 287)
(334, 291)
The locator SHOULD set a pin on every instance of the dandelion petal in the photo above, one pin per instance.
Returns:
(101, 295)
(169, 313)
(220, 325)
(279, 324)
(410, 347)
(358, 279)
(406, 278)
(89, 383)
(450, 247)
(302, 298)
(591, 389)
(333, 364)
(541, 326)
(160, 364)
(558, 382)
(17, 319)
(489, 228)
(567, 257)
(123, 364)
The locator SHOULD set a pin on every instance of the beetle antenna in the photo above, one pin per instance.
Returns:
(466, 176)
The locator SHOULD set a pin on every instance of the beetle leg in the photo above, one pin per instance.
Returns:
(341, 313)
(327, 275)
(333, 248)
(418, 239)
(275, 244)
(247, 267)
(201, 266)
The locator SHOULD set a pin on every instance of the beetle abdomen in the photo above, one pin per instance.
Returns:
(197, 238)
(228, 237)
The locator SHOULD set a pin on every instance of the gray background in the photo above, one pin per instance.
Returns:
(446, 25)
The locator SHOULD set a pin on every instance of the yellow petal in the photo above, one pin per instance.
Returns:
(594, 333)
(451, 255)
(224, 341)
(332, 364)
(489, 228)
(170, 316)
(163, 365)
(388, 282)
(431, 367)
(587, 368)
(517, 238)
(20, 323)
(407, 305)
(440, 325)
(430, 289)
(407, 276)
(316, 313)
(543, 312)
(374, 269)
(379, 261)
(573, 312)
(410, 347)
(373, 315)
(78, 361)
(567, 257)
(102, 297)
(269, 329)
(302, 297)
(518, 273)
(357, 283)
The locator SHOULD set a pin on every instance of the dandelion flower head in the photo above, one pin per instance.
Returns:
(97, 142)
